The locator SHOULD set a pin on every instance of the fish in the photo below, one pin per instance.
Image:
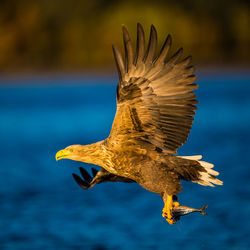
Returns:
(184, 210)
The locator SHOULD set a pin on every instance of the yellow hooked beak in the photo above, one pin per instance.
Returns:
(63, 154)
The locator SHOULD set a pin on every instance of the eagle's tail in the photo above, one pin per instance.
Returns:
(207, 177)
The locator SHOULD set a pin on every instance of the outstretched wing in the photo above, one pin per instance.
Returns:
(87, 181)
(155, 99)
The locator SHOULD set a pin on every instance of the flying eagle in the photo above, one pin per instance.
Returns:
(155, 109)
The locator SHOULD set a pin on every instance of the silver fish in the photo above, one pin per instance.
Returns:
(184, 210)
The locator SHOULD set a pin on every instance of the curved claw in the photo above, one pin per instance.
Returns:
(167, 211)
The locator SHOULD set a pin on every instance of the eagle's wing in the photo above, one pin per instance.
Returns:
(87, 181)
(155, 99)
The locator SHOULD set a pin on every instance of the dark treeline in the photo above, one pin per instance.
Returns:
(75, 35)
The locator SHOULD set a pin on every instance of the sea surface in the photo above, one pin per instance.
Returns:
(41, 207)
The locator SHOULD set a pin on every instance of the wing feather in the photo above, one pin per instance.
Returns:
(155, 98)
(119, 62)
(164, 51)
(129, 57)
(140, 51)
(150, 55)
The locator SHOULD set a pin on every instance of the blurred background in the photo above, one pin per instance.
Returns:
(57, 88)
(77, 35)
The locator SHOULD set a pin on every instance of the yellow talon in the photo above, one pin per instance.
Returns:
(167, 211)
(176, 204)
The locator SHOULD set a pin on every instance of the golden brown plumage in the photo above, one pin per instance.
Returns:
(155, 108)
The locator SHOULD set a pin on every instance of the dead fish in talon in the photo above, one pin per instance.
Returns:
(184, 210)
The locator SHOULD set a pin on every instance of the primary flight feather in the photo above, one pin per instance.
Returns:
(155, 108)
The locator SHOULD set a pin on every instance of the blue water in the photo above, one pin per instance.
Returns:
(43, 208)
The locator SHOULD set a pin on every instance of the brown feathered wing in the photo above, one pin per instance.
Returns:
(155, 99)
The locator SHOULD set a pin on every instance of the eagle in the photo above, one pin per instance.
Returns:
(155, 110)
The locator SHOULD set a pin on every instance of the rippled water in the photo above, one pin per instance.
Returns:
(42, 207)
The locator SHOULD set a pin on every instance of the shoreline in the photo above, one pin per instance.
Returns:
(103, 76)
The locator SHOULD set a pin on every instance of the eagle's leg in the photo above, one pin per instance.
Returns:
(167, 211)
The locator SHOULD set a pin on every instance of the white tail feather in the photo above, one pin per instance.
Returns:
(206, 178)
(192, 157)
(206, 164)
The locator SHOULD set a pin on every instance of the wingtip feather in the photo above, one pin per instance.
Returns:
(129, 57)
(119, 62)
(140, 48)
(151, 45)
